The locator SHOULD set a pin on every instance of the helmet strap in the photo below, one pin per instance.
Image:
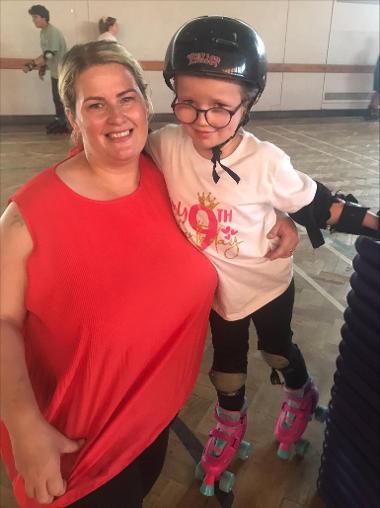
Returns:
(217, 150)
(215, 159)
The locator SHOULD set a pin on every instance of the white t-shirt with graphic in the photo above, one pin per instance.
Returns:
(228, 221)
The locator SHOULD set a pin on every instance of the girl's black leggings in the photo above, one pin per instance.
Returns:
(273, 325)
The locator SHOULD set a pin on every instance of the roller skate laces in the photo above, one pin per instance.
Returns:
(225, 440)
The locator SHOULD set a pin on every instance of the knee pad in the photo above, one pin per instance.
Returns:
(226, 382)
(275, 361)
(291, 365)
(289, 358)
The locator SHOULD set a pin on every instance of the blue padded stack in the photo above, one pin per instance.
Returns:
(350, 464)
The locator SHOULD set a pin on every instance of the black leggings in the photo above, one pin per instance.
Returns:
(128, 488)
(59, 109)
(272, 322)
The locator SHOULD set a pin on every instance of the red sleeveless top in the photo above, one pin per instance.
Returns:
(117, 309)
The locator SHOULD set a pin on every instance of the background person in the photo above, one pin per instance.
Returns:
(53, 48)
(108, 29)
(373, 107)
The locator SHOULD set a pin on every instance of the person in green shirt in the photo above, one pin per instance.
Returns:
(53, 48)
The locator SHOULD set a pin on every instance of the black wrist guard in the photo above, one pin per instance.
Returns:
(315, 216)
(42, 71)
(351, 218)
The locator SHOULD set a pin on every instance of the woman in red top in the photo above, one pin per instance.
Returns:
(104, 303)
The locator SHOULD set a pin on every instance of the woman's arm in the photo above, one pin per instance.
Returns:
(287, 233)
(36, 445)
(16, 245)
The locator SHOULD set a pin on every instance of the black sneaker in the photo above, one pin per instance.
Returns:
(51, 124)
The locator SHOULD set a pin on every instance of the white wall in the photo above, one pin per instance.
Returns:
(294, 31)
(354, 40)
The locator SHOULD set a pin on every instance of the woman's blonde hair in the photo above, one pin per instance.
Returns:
(82, 56)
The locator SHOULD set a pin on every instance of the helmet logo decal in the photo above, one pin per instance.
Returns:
(204, 58)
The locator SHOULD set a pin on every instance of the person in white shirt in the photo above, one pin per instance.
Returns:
(216, 67)
(108, 29)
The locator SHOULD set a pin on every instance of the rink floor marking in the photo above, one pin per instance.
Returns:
(328, 144)
(318, 288)
(276, 133)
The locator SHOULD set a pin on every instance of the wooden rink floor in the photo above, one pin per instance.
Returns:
(341, 152)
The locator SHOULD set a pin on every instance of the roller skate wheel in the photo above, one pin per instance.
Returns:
(199, 473)
(282, 453)
(244, 450)
(207, 490)
(226, 481)
(320, 414)
(301, 447)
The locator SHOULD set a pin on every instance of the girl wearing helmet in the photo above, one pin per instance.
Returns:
(216, 67)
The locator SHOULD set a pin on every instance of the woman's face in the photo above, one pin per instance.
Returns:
(206, 93)
(110, 113)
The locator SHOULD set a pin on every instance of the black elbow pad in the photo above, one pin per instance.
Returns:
(315, 215)
(317, 212)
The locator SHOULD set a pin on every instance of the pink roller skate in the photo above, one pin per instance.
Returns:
(225, 440)
(296, 412)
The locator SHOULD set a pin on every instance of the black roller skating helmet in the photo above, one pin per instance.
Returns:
(220, 47)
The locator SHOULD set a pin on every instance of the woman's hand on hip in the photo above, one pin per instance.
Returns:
(37, 452)
(287, 232)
